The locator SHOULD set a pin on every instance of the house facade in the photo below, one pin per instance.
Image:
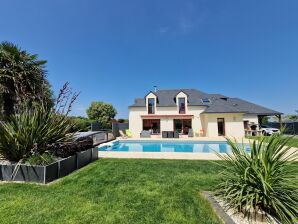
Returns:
(206, 115)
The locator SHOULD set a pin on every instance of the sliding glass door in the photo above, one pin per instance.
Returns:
(152, 125)
(182, 126)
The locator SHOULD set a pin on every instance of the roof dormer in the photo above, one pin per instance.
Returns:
(151, 101)
(181, 101)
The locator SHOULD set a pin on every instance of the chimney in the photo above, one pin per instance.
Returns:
(155, 89)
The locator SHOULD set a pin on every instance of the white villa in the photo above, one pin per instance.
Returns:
(206, 115)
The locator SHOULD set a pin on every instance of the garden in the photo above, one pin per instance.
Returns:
(37, 142)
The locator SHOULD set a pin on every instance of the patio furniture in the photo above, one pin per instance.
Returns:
(122, 134)
(164, 134)
(128, 133)
(145, 134)
(170, 134)
(190, 133)
(176, 134)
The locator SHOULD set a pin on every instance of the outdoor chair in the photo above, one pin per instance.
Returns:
(170, 134)
(122, 134)
(176, 134)
(190, 133)
(164, 134)
(145, 134)
(128, 133)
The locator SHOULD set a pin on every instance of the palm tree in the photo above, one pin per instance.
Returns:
(22, 78)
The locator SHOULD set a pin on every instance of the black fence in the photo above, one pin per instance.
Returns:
(291, 128)
(119, 126)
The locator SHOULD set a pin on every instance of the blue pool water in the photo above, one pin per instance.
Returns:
(167, 146)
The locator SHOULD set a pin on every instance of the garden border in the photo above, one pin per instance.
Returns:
(50, 172)
(217, 208)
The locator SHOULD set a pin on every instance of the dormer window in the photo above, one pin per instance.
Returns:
(181, 104)
(151, 106)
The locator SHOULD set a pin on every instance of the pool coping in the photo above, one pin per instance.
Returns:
(162, 155)
(158, 155)
(168, 155)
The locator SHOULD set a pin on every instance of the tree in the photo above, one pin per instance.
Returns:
(294, 117)
(102, 112)
(122, 120)
(80, 123)
(22, 79)
(265, 120)
(291, 117)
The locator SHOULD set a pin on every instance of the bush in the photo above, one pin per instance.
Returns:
(66, 149)
(80, 124)
(262, 180)
(43, 159)
(121, 120)
(32, 131)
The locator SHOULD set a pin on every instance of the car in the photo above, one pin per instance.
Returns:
(267, 130)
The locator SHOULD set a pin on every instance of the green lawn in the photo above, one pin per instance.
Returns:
(294, 141)
(117, 191)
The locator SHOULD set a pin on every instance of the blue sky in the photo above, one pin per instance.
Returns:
(114, 51)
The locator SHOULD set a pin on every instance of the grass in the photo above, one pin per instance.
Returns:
(117, 191)
(293, 142)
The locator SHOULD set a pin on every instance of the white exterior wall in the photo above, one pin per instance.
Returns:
(197, 125)
(233, 124)
(135, 120)
(206, 122)
(251, 118)
(166, 124)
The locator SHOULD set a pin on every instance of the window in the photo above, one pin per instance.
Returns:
(246, 125)
(181, 103)
(151, 106)
(206, 100)
(182, 126)
(152, 125)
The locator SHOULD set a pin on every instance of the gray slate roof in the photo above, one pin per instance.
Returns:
(218, 102)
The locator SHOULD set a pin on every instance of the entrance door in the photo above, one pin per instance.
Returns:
(221, 126)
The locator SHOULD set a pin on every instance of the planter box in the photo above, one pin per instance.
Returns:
(67, 165)
(46, 174)
(27, 173)
(94, 154)
(83, 158)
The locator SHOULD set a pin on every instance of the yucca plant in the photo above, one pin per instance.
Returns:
(31, 132)
(262, 180)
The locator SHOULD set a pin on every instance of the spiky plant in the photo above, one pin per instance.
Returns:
(261, 180)
(32, 131)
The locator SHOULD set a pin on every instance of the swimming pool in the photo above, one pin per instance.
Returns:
(167, 146)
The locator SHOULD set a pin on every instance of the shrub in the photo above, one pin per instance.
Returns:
(262, 180)
(31, 131)
(66, 149)
(80, 123)
(43, 159)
